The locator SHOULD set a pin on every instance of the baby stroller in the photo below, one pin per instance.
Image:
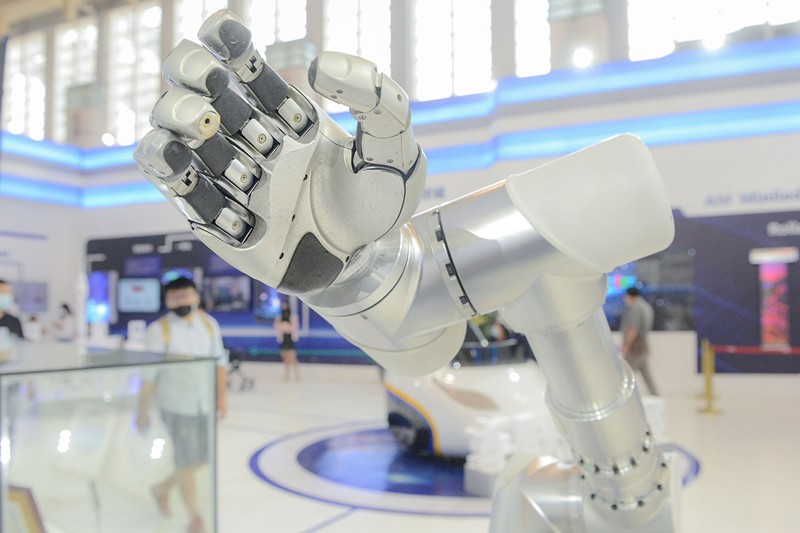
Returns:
(235, 373)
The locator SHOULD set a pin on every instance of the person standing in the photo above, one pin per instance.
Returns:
(286, 330)
(64, 325)
(180, 393)
(10, 325)
(7, 320)
(637, 322)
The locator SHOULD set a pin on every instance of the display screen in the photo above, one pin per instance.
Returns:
(99, 304)
(268, 302)
(31, 296)
(774, 304)
(139, 295)
(227, 293)
(142, 266)
(666, 281)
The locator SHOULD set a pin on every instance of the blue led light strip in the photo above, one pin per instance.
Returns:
(139, 192)
(703, 126)
(695, 65)
(758, 57)
(698, 126)
(39, 191)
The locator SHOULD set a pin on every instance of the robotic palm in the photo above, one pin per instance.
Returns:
(273, 186)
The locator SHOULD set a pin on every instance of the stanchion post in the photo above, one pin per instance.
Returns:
(708, 364)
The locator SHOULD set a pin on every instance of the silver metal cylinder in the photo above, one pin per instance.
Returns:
(439, 263)
(592, 396)
(494, 248)
(584, 373)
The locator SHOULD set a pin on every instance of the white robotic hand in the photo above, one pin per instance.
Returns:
(266, 179)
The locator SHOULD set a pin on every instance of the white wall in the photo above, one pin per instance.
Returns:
(41, 242)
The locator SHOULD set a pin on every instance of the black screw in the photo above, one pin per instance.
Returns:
(640, 503)
(593, 496)
(614, 507)
(596, 469)
(659, 487)
(616, 469)
(633, 461)
(280, 256)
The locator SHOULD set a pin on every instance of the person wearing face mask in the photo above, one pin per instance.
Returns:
(184, 403)
(10, 326)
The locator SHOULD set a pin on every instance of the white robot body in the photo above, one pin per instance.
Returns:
(329, 217)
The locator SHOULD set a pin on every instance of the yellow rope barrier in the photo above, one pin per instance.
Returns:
(708, 358)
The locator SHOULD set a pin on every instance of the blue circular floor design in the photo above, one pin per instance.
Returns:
(370, 459)
(359, 465)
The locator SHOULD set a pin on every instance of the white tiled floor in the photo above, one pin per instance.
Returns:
(750, 465)
(748, 480)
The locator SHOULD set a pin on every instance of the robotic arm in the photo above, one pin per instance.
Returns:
(272, 185)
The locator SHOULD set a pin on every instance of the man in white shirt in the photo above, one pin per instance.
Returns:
(180, 393)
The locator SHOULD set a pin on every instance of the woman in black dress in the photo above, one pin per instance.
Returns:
(286, 329)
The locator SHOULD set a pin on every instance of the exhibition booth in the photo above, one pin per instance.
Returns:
(365, 436)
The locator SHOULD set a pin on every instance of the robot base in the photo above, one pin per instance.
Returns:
(539, 494)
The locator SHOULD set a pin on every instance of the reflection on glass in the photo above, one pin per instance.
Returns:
(73, 453)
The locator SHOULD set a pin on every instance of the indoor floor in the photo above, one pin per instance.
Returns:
(748, 462)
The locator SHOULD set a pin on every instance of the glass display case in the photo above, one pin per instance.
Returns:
(82, 450)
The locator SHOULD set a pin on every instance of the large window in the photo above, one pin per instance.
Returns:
(532, 37)
(452, 48)
(655, 26)
(75, 64)
(190, 14)
(24, 91)
(135, 70)
(272, 21)
(360, 27)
